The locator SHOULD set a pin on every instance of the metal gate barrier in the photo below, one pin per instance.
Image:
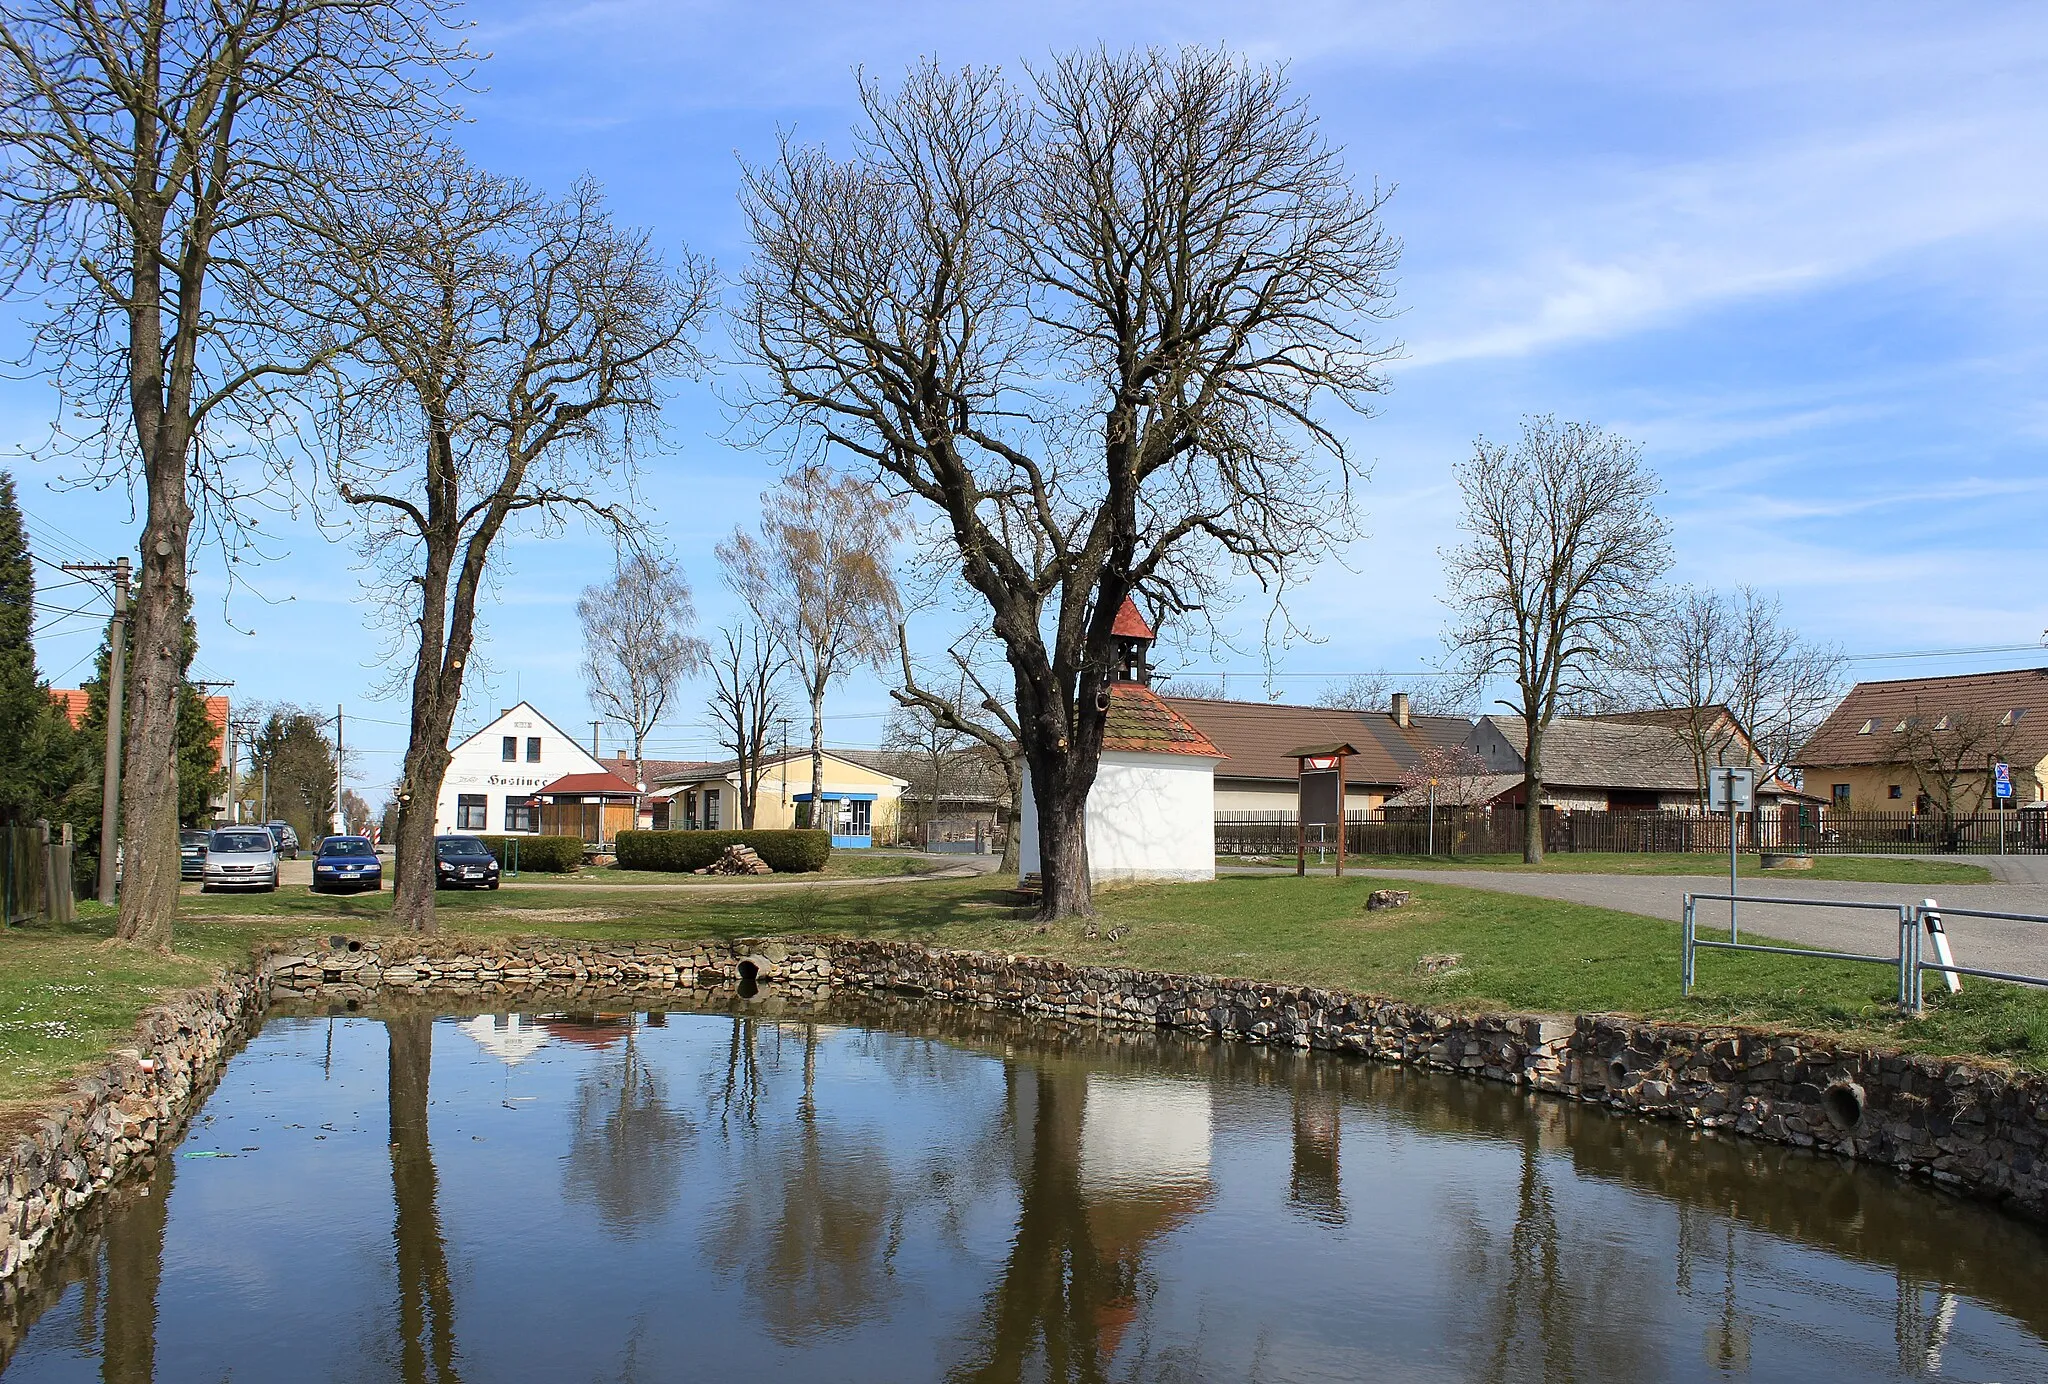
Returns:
(1915, 922)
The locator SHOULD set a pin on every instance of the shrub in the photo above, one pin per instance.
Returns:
(546, 855)
(787, 852)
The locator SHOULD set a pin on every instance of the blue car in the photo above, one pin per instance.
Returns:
(345, 864)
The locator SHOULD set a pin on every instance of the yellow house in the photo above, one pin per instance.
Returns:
(863, 804)
(1923, 745)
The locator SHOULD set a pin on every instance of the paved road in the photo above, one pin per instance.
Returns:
(2004, 946)
(299, 873)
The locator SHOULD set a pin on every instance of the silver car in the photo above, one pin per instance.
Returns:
(240, 858)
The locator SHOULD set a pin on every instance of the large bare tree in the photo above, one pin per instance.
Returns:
(1428, 695)
(747, 665)
(143, 147)
(639, 642)
(1950, 749)
(513, 350)
(1088, 323)
(1563, 552)
(818, 576)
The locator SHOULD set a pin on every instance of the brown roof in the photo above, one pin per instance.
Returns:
(609, 784)
(1129, 623)
(1841, 741)
(1603, 752)
(657, 769)
(1257, 736)
(1140, 721)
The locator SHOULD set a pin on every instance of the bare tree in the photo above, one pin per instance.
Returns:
(746, 700)
(1088, 323)
(513, 350)
(972, 710)
(638, 644)
(818, 576)
(142, 147)
(1559, 569)
(1375, 692)
(1203, 689)
(1950, 752)
(1739, 685)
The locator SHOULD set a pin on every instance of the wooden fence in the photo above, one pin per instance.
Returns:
(35, 873)
(1498, 831)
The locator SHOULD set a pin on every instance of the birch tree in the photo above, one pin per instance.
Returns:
(143, 150)
(1087, 324)
(639, 643)
(818, 577)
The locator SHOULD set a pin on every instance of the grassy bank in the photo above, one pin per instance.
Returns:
(64, 998)
(1856, 869)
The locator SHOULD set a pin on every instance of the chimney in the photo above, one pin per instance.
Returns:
(1400, 712)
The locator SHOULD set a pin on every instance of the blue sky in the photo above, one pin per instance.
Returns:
(1796, 253)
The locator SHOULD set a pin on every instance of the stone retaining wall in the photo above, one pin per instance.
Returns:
(1961, 1123)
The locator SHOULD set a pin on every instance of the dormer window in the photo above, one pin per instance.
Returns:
(1900, 728)
(2012, 718)
(1867, 726)
(1942, 724)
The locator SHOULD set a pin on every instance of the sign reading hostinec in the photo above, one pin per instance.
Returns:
(1731, 789)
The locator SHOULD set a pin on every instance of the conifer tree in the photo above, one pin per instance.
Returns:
(36, 741)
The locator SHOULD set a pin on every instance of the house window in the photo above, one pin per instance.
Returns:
(1840, 793)
(472, 812)
(511, 748)
(711, 809)
(2012, 718)
(533, 749)
(1923, 804)
(518, 815)
(1894, 791)
(1867, 726)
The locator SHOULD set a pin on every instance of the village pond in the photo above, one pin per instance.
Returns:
(884, 1191)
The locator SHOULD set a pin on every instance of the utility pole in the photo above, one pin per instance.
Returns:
(117, 668)
(593, 738)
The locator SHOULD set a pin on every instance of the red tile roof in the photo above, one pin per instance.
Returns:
(588, 784)
(73, 702)
(1140, 723)
(2015, 702)
(1129, 623)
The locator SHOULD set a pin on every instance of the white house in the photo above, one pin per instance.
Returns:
(493, 775)
(1152, 811)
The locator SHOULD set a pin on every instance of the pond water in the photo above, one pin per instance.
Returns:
(894, 1193)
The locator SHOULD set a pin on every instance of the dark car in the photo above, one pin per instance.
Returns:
(192, 853)
(345, 864)
(463, 862)
(286, 839)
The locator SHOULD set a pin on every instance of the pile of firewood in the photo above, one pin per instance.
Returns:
(737, 860)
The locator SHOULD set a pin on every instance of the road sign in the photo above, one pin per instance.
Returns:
(1731, 790)
(2001, 780)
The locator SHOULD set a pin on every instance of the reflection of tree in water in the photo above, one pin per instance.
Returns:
(626, 1142)
(135, 1267)
(426, 1299)
(1538, 1316)
(811, 1225)
(1060, 1293)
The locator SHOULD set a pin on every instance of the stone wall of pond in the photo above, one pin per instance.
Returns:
(1966, 1125)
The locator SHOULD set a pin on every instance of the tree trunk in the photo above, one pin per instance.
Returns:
(1532, 797)
(426, 766)
(1061, 797)
(819, 818)
(135, 1268)
(149, 762)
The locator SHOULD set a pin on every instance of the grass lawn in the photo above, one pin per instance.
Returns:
(64, 998)
(1858, 869)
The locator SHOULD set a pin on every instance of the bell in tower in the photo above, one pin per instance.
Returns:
(1133, 644)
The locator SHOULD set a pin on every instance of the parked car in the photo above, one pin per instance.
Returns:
(346, 864)
(285, 839)
(240, 858)
(192, 853)
(462, 862)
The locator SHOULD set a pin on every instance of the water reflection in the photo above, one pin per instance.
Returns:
(884, 1192)
(426, 1301)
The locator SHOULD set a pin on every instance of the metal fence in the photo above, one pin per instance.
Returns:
(1916, 926)
(1788, 830)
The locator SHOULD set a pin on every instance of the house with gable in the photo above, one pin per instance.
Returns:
(496, 776)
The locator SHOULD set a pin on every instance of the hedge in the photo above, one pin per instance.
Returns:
(786, 852)
(544, 855)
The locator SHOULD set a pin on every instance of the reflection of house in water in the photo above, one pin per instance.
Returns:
(511, 1038)
(1144, 1169)
(589, 1030)
(1315, 1189)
